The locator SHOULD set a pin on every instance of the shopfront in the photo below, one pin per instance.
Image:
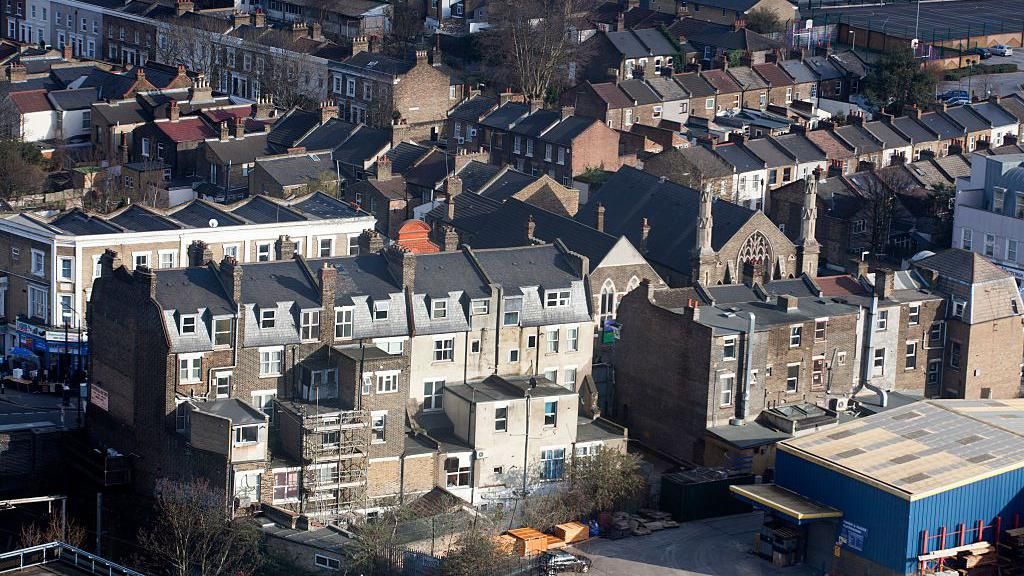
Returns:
(60, 352)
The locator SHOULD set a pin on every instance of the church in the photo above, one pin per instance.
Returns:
(691, 237)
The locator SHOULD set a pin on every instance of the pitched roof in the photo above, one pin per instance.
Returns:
(695, 84)
(536, 123)
(404, 155)
(672, 211)
(186, 130)
(773, 74)
(799, 145)
(832, 146)
(667, 88)
(942, 125)
(79, 99)
(884, 132)
(505, 184)
(568, 129)
(239, 150)
(379, 63)
(860, 138)
(505, 115)
(797, 70)
(913, 129)
(612, 95)
(767, 150)
(721, 80)
(291, 127)
(966, 117)
(739, 157)
(473, 109)
(639, 91)
(31, 101)
(295, 169)
(823, 68)
(994, 113)
(640, 43)
(475, 174)
(746, 78)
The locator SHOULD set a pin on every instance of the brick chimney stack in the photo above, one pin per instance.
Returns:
(231, 277)
(239, 125)
(225, 131)
(285, 247)
(370, 242)
(600, 217)
(173, 111)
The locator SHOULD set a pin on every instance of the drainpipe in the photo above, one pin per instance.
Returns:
(743, 398)
(868, 356)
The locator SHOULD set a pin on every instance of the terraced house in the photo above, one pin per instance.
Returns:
(335, 384)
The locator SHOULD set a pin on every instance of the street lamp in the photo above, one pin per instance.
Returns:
(67, 351)
(970, 74)
(853, 42)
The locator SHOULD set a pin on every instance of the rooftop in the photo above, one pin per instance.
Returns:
(923, 448)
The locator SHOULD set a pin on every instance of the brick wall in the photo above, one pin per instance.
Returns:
(421, 97)
(596, 147)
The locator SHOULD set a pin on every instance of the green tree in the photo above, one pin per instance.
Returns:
(764, 21)
(898, 81)
(608, 479)
(734, 57)
(22, 169)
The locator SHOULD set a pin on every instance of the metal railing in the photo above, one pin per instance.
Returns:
(60, 552)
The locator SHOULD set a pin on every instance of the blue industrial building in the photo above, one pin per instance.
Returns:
(874, 495)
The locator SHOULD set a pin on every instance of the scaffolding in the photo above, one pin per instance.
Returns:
(335, 459)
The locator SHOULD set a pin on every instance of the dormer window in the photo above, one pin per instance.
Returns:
(380, 310)
(556, 298)
(480, 306)
(187, 324)
(268, 318)
(958, 307)
(222, 332)
(439, 309)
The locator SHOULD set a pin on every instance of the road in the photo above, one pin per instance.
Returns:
(715, 547)
(20, 409)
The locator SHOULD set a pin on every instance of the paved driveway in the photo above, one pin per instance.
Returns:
(716, 547)
(999, 84)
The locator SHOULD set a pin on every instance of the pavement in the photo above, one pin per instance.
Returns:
(24, 409)
(983, 85)
(712, 547)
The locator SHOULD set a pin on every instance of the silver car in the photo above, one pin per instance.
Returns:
(558, 562)
(1002, 50)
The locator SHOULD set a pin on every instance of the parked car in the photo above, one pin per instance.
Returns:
(984, 53)
(558, 562)
(1002, 50)
(953, 95)
(956, 101)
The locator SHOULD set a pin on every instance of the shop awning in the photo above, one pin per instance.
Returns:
(785, 502)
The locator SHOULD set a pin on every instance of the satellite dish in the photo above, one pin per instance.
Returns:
(213, 223)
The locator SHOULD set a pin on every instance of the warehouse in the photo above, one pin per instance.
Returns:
(874, 495)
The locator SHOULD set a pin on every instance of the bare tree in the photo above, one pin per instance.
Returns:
(54, 529)
(191, 534)
(879, 189)
(531, 45)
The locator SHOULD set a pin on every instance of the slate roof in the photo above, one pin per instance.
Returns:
(737, 5)
(964, 116)
(568, 129)
(267, 283)
(506, 227)
(191, 289)
(800, 73)
(766, 150)
(799, 145)
(721, 81)
(79, 223)
(938, 123)
(476, 174)
(320, 206)
(297, 169)
(916, 131)
(471, 212)
(859, 138)
(379, 63)
(773, 74)
(543, 265)
(823, 68)
(361, 146)
(746, 78)
(139, 219)
(79, 99)
(404, 155)
(712, 165)
(672, 210)
(505, 115)
(739, 157)
(239, 151)
(507, 183)
(612, 95)
(640, 43)
(328, 135)
(995, 114)
(291, 127)
(639, 91)
(198, 214)
(1014, 104)
(695, 85)
(431, 170)
(186, 130)
(850, 62)
(885, 133)
(667, 88)
(536, 123)
(233, 409)
(989, 291)
(262, 210)
(473, 109)
(700, 32)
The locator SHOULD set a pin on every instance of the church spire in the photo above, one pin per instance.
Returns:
(807, 244)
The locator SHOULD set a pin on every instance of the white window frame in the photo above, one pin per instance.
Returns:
(216, 377)
(190, 368)
(572, 339)
(343, 322)
(725, 395)
(913, 314)
(551, 345)
(268, 362)
(320, 246)
(727, 343)
(61, 261)
(557, 298)
(479, 306)
(140, 259)
(438, 309)
(501, 418)
(882, 321)
(796, 380)
(381, 308)
(444, 349)
(379, 432)
(237, 434)
(38, 263)
(39, 302)
(327, 563)
(796, 334)
(268, 318)
(434, 400)
(161, 254)
(310, 325)
(387, 381)
(264, 251)
(550, 413)
(188, 324)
